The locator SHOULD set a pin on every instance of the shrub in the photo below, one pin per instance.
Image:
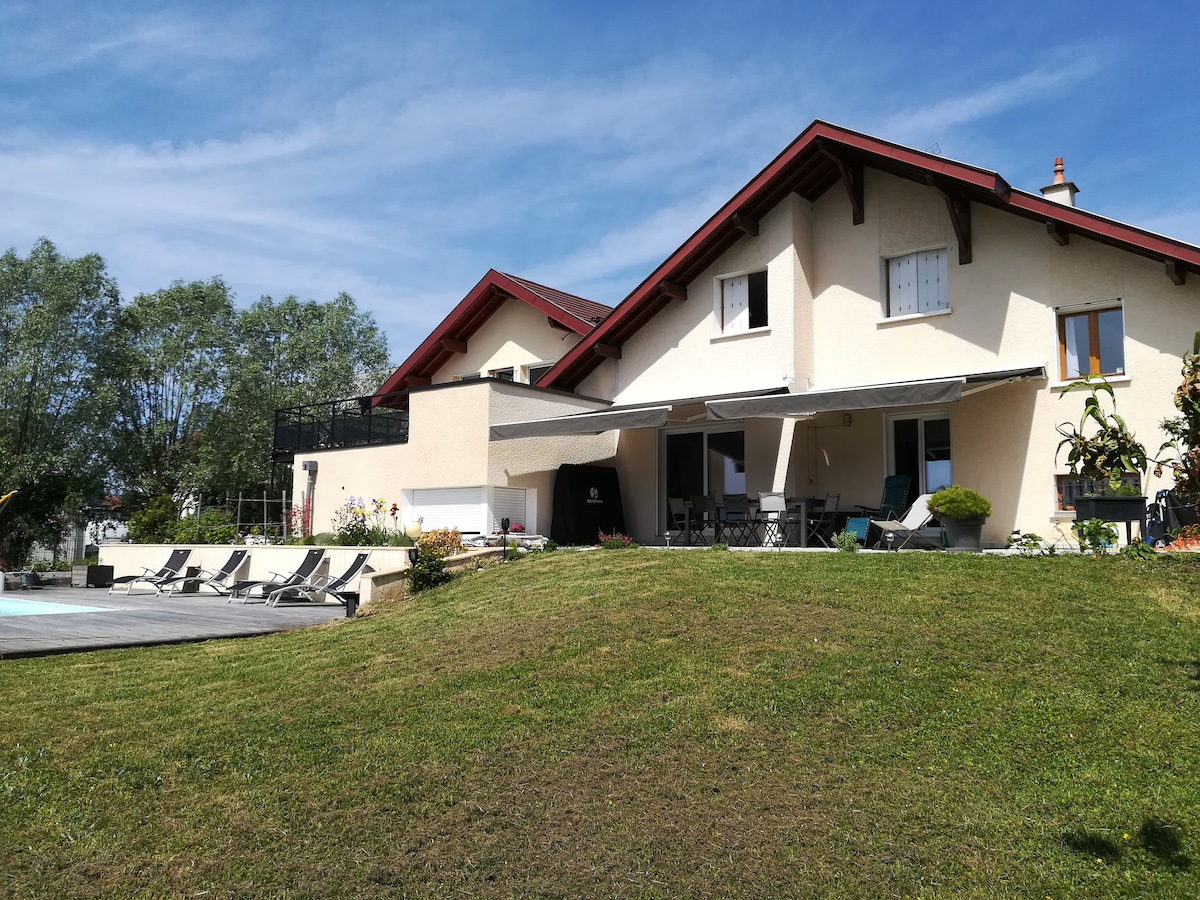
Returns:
(216, 527)
(846, 542)
(430, 571)
(1095, 536)
(440, 543)
(155, 522)
(956, 502)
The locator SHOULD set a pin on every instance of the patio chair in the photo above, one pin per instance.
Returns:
(821, 527)
(738, 523)
(241, 590)
(908, 529)
(893, 501)
(858, 526)
(174, 564)
(703, 515)
(677, 515)
(323, 584)
(774, 519)
(218, 580)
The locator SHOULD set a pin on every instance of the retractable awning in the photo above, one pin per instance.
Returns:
(871, 396)
(582, 423)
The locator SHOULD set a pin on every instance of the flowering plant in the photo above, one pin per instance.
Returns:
(362, 523)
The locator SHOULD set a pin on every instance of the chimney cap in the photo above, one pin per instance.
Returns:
(1060, 190)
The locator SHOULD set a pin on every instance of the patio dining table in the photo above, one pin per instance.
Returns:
(766, 530)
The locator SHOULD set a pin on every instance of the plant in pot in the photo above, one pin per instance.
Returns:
(1184, 444)
(1102, 449)
(962, 513)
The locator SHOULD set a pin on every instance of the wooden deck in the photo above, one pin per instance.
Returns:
(143, 619)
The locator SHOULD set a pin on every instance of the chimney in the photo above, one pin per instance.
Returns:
(1060, 190)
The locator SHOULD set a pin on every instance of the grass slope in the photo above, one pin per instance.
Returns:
(638, 724)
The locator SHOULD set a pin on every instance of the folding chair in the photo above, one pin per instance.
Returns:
(821, 527)
(909, 528)
(893, 501)
(737, 522)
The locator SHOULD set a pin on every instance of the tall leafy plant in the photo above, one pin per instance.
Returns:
(1100, 447)
(1184, 430)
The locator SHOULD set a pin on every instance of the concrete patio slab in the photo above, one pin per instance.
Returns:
(143, 619)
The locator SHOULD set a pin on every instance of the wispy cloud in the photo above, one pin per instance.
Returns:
(1040, 83)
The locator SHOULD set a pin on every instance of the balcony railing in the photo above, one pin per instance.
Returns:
(350, 422)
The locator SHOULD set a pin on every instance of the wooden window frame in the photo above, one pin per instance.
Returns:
(1093, 320)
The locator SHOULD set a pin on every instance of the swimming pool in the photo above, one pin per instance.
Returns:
(14, 606)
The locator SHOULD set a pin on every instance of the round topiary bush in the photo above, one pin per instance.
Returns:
(957, 502)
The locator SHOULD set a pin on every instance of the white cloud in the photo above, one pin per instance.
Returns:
(1041, 83)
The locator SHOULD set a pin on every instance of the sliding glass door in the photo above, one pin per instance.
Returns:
(702, 462)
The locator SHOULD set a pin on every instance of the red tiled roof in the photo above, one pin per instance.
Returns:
(818, 159)
(493, 291)
(585, 310)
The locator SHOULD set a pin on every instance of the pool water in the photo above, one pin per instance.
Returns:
(13, 606)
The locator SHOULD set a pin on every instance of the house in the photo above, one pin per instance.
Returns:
(858, 309)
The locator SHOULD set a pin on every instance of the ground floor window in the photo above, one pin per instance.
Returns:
(919, 446)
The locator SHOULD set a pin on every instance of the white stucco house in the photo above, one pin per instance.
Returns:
(858, 309)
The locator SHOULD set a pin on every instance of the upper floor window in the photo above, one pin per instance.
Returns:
(467, 376)
(534, 371)
(1091, 342)
(743, 303)
(917, 283)
(502, 374)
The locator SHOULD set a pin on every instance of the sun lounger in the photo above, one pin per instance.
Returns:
(174, 565)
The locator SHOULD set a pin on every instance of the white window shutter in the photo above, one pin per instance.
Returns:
(902, 285)
(508, 503)
(461, 508)
(931, 281)
(735, 304)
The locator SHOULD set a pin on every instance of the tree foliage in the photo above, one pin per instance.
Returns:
(170, 367)
(288, 353)
(56, 318)
(170, 395)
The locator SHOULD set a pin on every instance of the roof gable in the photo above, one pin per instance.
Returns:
(822, 156)
(493, 290)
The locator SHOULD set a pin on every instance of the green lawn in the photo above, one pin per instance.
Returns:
(639, 724)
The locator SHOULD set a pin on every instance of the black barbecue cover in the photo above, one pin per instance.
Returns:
(587, 500)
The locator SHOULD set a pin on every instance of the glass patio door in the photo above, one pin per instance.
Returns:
(919, 447)
(702, 462)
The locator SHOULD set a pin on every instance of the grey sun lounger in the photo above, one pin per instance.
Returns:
(242, 590)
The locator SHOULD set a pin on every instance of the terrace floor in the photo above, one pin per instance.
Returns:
(143, 619)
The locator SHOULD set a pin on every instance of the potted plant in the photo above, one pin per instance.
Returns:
(962, 513)
(1101, 448)
(1184, 443)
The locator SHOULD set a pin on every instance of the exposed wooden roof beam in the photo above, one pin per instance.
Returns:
(453, 345)
(852, 177)
(1176, 272)
(744, 223)
(673, 290)
(959, 208)
(608, 351)
(418, 380)
(1059, 232)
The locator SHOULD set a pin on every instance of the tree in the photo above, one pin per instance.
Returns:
(56, 321)
(288, 353)
(171, 364)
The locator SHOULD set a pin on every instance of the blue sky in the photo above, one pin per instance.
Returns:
(398, 150)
